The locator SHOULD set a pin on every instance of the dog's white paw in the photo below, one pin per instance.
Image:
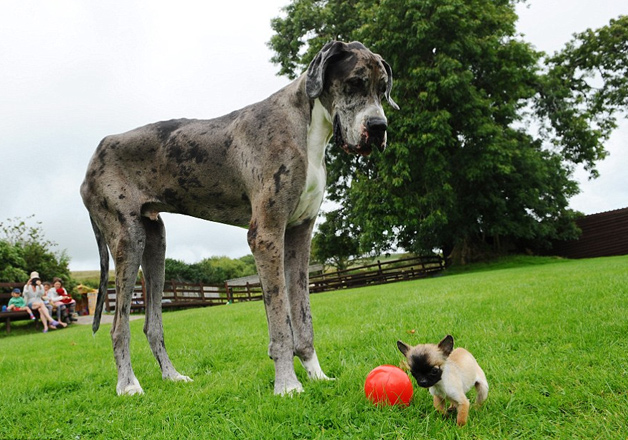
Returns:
(289, 390)
(179, 378)
(322, 376)
(314, 370)
(130, 389)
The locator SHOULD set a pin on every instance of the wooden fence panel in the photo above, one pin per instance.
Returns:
(248, 292)
(137, 301)
(378, 273)
(603, 235)
(179, 295)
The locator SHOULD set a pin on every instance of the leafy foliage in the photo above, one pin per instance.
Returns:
(214, 270)
(11, 263)
(334, 243)
(24, 249)
(463, 172)
(585, 86)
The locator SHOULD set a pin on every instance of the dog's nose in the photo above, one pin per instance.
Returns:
(376, 125)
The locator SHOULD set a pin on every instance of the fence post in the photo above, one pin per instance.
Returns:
(227, 292)
(174, 291)
(143, 283)
(202, 293)
(107, 305)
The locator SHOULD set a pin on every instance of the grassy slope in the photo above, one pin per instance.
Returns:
(551, 338)
(91, 275)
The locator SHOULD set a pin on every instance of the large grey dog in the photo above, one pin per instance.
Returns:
(260, 167)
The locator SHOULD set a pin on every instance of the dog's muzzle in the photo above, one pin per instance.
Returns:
(372, 135)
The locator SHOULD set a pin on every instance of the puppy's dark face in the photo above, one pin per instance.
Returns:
(426, 361)
(426, 368)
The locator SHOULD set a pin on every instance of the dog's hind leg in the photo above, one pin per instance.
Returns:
(127, 251)
(463, 411)
(153, 266)
(297, 252)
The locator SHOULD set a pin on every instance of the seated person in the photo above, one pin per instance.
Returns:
(17, 303)
(61, 299)
(53, 300)
(34, 297)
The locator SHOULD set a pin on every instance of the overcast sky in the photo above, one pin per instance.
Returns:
(74, 71)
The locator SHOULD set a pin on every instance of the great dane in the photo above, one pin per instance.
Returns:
(260, 167)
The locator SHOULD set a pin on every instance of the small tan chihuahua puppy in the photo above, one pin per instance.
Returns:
(448, 373)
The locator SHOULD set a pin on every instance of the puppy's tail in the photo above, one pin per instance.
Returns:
(481, 386)
(104, 275)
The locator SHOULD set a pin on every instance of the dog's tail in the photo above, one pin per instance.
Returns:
(481, 386)
(104, 275)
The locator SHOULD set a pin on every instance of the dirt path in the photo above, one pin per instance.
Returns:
(106, 319)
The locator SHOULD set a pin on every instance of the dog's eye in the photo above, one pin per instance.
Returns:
(356, 83)
(383, 85)
(435, 372)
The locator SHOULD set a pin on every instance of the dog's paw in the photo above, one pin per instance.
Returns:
(313, 368)
(319, 375)
(179, 378)
(129, 389)
(288, 391)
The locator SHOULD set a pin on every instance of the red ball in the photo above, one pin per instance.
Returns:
(388, 385)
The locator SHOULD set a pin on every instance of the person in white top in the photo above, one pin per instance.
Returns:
(34, 297)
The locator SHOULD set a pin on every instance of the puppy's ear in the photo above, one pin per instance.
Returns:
(403, 347)
(446, 345)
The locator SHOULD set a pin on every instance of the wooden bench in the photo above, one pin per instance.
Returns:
(7, 317)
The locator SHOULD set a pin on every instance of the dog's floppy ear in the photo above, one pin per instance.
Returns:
(315, 79)
(403, 347)
(392, 103)
(446, 345)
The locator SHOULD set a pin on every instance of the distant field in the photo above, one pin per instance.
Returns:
(86, 275)
(550, 334)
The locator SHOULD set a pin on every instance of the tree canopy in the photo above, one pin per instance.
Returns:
(214, 270)
(481, 154)
(24, 248)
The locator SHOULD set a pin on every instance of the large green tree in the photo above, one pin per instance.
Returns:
(584, 90)
(24, 248)
(333, 244)
(463, 172)
(214, 270)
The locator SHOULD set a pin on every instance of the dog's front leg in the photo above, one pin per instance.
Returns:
(267, 245)
(297, 252)
(439, 404)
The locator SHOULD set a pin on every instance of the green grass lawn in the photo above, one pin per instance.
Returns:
(550, 334)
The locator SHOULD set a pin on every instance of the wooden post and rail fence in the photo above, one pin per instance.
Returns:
(181, 295)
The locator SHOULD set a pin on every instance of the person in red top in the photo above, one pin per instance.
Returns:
(60, 298)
